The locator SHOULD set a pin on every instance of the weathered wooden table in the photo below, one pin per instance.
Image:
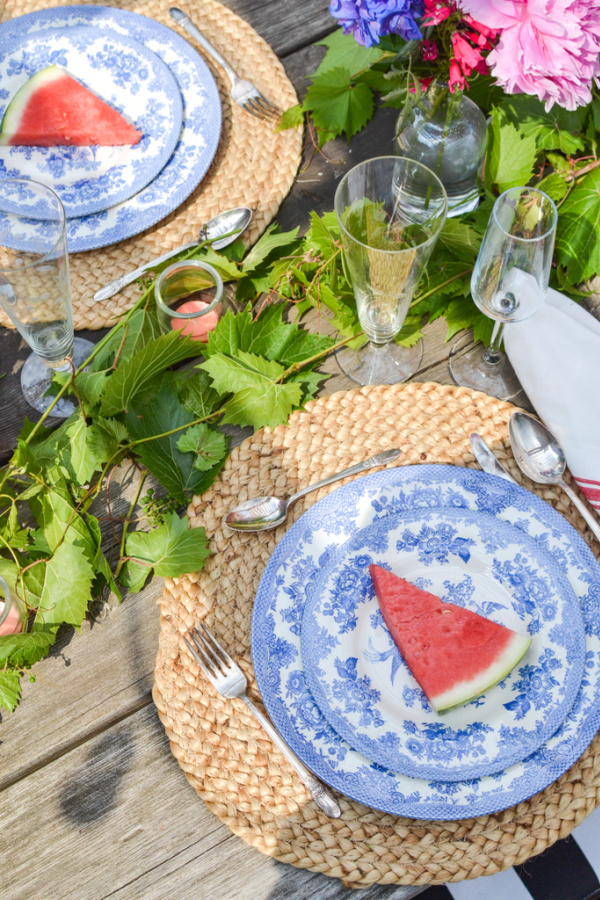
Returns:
(92, 803)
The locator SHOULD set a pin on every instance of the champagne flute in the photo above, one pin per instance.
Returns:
(509, 283)
(34, 287)
(390, 211)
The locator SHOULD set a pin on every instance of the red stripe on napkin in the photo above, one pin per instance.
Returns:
(591, 489)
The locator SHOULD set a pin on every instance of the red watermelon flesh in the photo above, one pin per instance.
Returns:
(454, 653)
(54, 109)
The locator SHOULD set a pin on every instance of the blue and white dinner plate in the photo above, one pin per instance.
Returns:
(366, 692)
(200, 133)
(129, 78)
(286, 586)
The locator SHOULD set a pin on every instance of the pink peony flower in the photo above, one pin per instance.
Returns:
(548, 48)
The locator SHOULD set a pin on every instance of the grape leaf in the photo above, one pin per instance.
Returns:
(554, 129)
(462, 313)
(344, 52)
(578, 229)
(170, 550)
(130, 376)
(263, 404)
(196, 394)
(461, 240)
(90, 386)
(173, 469)
(291, 118)
(337, 106)
(10, 689)
(271, 240)
(512, 157)
(208, 445)
(66, 588)
(246, 370)
(54, 512)
(127, 340)
(23, 650)
(104, 437)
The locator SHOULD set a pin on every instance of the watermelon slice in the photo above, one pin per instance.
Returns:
(454, 654)
(54, 109)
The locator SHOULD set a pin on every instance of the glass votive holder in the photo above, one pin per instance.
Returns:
(189, 298)
(13, 615)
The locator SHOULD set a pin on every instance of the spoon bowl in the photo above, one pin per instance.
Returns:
(264, 513)
(258, 514)
(222, 230)
(541, 458)
(536, 450)
(226, 227)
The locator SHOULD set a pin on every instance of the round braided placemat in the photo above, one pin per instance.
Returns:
(223, 751)
(254, 165)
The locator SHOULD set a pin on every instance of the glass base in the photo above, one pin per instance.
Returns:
(36, 377)
(380, 363)
(469, 369)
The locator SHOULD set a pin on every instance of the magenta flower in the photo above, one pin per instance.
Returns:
(456, 79)
(429, 50)
(437, 11)
(547, 48)
(467, 56)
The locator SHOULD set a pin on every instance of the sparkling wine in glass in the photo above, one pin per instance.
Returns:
(390, 211)
(509, 283)
(34, 287)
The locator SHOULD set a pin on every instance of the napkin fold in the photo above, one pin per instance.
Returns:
(556, 356)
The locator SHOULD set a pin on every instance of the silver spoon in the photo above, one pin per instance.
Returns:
(542, 459)
(263, 513)
(232, 223)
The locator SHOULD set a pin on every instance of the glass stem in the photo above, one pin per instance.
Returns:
(492, 353)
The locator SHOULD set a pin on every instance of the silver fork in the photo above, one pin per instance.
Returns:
(243, 92)
(229, 680)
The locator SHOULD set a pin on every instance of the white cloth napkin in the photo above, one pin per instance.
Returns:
(556, 356)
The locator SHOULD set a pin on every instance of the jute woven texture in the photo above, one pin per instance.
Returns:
(225, 754)
(254, 165)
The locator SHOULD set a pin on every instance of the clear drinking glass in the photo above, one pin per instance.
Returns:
(509, 283)
(34, 286)
(390, 210)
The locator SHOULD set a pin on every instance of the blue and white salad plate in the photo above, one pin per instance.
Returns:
(363, 687)
(201, 128)
(125, 75)
(312, 545)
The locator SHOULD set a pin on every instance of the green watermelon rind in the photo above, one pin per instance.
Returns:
(14, 110)
(465, 691)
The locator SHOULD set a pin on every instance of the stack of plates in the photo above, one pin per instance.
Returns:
(337, 688)
(148, 73)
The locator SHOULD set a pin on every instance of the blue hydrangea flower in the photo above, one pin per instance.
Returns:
(369, 20)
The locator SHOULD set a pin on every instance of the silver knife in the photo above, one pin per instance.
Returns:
(487, 459)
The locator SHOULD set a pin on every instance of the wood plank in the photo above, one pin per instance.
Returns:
(116, 818)
(286, 26)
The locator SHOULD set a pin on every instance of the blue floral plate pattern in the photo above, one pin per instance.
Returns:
(365, 690)
(200, 132)
(124, 74)
(276, 638)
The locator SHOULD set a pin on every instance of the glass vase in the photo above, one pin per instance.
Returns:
(446, 132)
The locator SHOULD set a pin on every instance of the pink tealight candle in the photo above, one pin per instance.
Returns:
(199, 328)
(12, 623)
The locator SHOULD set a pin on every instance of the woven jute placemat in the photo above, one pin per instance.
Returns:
(225, 754)
(254, 165)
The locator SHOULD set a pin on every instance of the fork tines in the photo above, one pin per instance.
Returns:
(259, 106)
(207, 651)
